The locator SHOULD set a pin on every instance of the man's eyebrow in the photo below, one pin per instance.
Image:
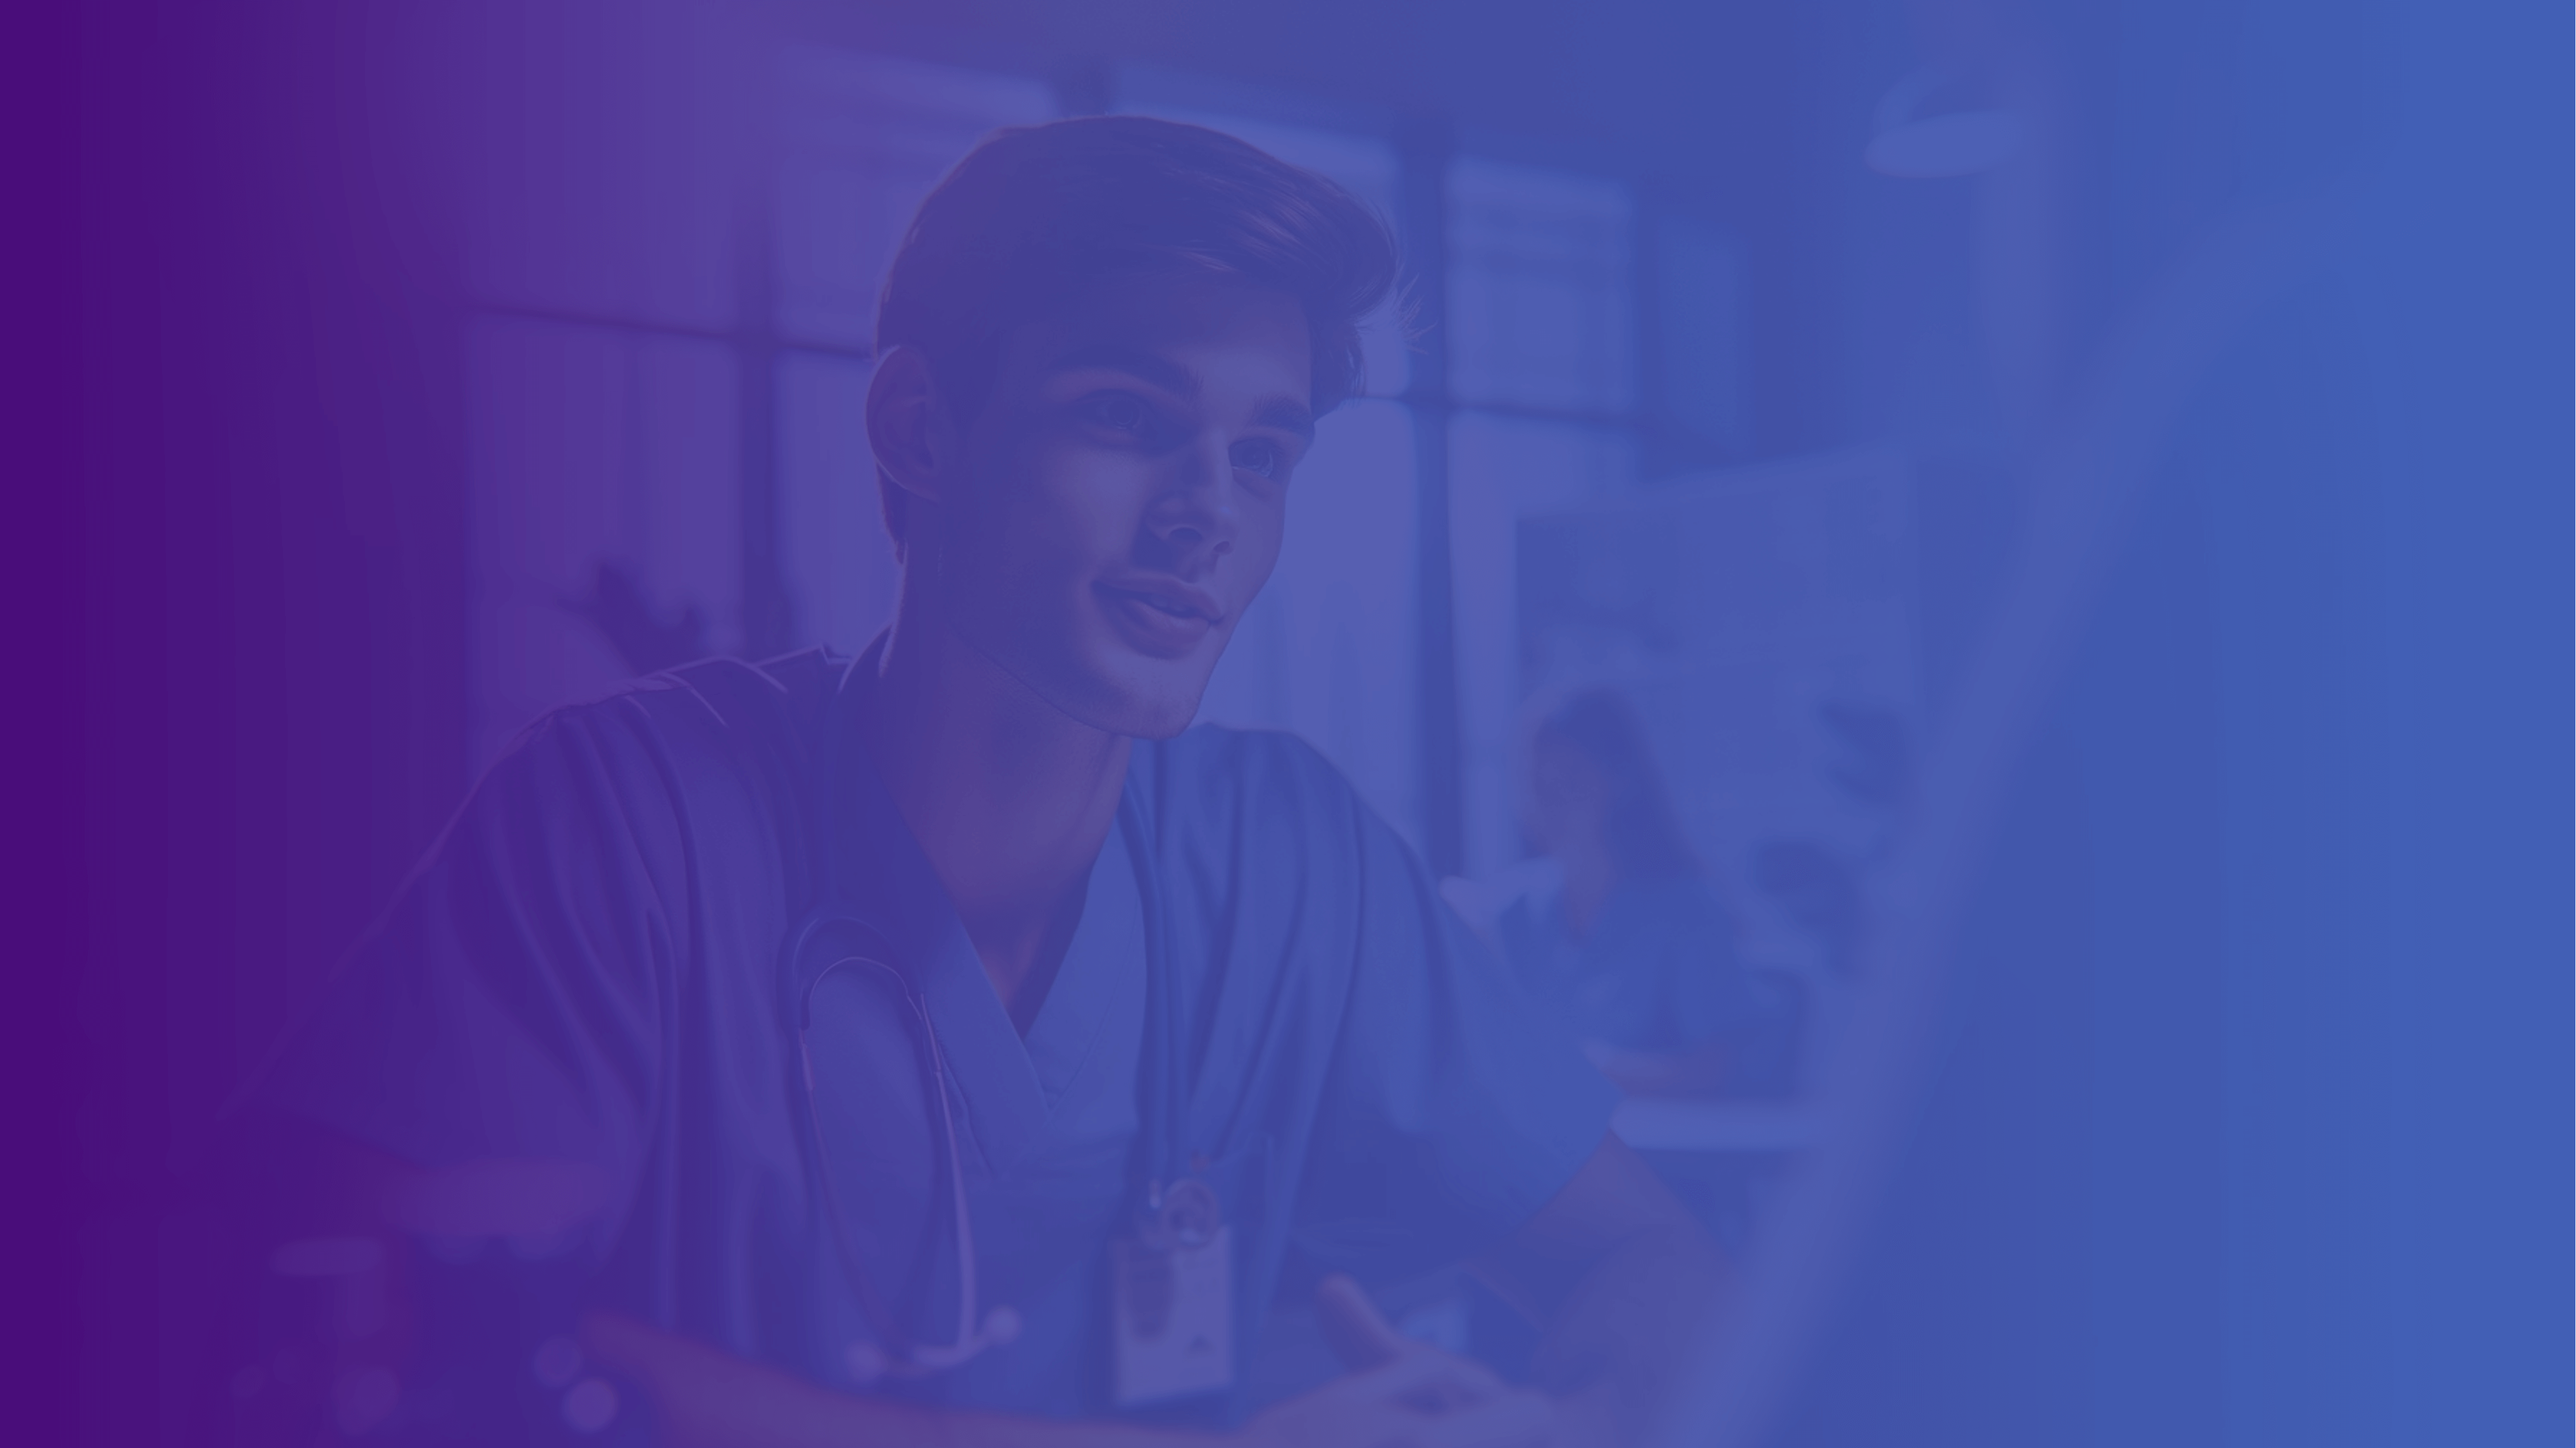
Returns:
(1150, 366)
(1137, 362)
(1289, 417)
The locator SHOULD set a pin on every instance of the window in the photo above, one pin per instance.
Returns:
(1543, 376)
(1541, 296)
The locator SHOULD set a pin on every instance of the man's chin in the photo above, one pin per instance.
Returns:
(1151, 714)
(1148, 703)
(1164, 725)
(1110, 689)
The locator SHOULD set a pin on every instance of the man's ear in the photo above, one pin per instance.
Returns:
(916, 442)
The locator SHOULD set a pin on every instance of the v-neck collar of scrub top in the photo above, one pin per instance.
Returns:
(1012, 1088)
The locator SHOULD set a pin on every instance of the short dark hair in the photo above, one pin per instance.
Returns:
(1035, 213)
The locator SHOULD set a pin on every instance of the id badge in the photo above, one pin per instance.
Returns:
(1171, 1301)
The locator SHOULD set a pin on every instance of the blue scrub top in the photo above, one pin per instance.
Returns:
(588, 970)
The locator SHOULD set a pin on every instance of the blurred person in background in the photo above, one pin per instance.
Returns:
(1629, 945)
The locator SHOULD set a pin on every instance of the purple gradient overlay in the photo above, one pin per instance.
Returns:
(2078, 495)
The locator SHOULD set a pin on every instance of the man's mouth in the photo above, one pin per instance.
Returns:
(1167, 619)
(1160, 604)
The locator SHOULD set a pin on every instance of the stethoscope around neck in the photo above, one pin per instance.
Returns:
(838, 935)
(893, 1354)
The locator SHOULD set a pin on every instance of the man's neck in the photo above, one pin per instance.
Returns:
(1009, 797)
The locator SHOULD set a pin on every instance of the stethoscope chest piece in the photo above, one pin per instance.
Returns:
(870, 1363)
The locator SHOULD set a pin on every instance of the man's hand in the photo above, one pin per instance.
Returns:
(1400, 1393)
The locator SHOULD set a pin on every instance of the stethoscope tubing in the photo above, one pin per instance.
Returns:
(975, 1331)
(896, 1355)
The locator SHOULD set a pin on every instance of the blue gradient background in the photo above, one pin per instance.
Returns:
(2243, 1114)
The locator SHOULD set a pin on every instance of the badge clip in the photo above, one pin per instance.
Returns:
(1171, 1294)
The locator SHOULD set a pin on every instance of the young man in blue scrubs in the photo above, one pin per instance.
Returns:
(949, 1045)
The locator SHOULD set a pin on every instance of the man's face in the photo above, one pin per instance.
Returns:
(1124, 493)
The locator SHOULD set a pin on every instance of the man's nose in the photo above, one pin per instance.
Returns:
(1197, 513)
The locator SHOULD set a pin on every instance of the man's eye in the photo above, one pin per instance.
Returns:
(1257, 457)
(1126, 414)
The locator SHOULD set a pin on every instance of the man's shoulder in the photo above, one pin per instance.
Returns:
(744, 703)
(711, 724)
(741, 694)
